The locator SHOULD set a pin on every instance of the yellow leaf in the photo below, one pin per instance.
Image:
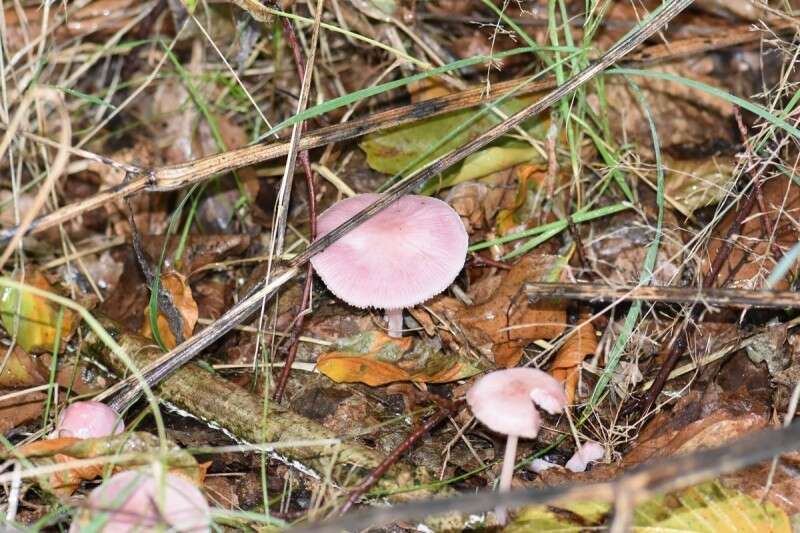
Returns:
(35, 325)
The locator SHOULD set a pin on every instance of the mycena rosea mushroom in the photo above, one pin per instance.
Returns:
(138, 501)
(88, 420)
(404, 255)
(504, 401)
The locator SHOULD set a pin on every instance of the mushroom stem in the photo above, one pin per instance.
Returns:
(395, 319)
(507, 472)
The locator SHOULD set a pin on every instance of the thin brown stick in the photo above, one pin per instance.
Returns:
(711, 296)
(393, 458)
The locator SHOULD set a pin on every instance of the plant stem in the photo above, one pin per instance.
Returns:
(395, 319)
(506, 474)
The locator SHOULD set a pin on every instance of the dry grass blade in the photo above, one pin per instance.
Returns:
(56, 169)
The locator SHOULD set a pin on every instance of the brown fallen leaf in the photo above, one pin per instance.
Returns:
(566, 364)
(181, 294)
(506, 321)
(35, 325)
(699, 421)
(753, 257)
(20, 409)
(376, 359)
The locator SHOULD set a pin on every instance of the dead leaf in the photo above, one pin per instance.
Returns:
(20, 409)
(376, 359)
(21, 370)
(699, 421)
(176, 285)
(527, 204)
(507, 317)
(696, 183)
(752, 257)
(578, 346)
(35, 325)
(64, 482)
(683, 116)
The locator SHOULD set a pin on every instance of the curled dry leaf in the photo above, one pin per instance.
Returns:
(578, 346)
(477, 202)
(33, 319)
(176, 285)
(377, 359)
(506, 321)
(526, 206)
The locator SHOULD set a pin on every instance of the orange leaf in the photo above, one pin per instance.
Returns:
(376, 359)
(579, 345)
(176, 285)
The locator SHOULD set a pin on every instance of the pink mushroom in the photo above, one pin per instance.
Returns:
(588, 452)
(504, 401)
(137, 501)
(404, 255)
(89, 420)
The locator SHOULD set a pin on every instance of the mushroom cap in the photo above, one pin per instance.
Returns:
(502, 400)
(89, 420)
(133, 501)
(404, 255)
(588, 452)
(549, 394)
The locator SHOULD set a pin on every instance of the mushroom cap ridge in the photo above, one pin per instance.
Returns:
(404, 255)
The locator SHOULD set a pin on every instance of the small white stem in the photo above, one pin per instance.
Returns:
(395, 319)
(506, 474)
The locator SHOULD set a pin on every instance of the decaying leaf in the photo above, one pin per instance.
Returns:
(376, 359)
(695, 183)
(506, 322)
(20, 370)
(478, 201)
(181, 294)
(580, 345)
(17, 410)
(704, 508)
(699, 421)
(398, 149)
(35, 325)
(682, 115)
(143, 447)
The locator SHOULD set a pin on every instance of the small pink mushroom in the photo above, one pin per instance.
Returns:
(404, 255)
(137, 501)
(503, 401)
(588, 452)
(89, 420)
